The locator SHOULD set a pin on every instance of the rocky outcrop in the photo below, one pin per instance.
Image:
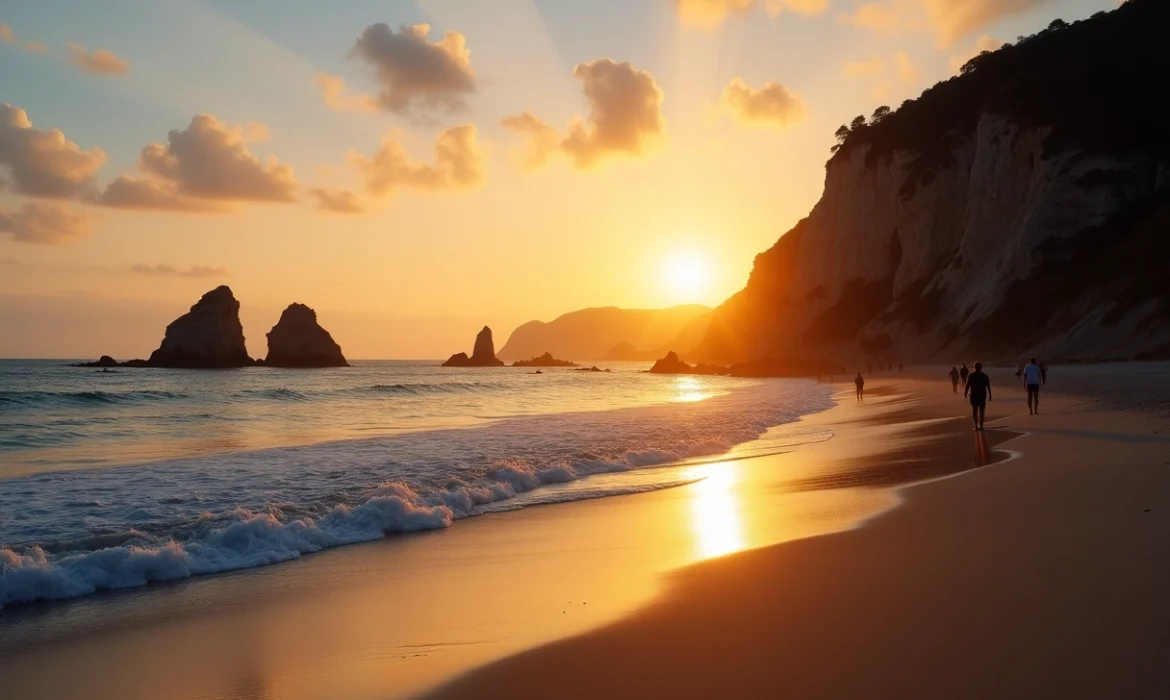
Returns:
(209, 336)
(297, 340)
(103, 361)
(671, 364)
(998, 215)
(591, 334)
(545, 360)
(483, 354)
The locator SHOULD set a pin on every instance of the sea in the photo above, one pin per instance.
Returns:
(120, 478)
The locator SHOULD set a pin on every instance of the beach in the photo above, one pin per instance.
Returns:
(1040, 576)
(1029, 561)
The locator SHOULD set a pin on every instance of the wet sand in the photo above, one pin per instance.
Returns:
(1045, 575)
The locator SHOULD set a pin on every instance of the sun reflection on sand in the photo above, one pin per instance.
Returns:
(715, 511)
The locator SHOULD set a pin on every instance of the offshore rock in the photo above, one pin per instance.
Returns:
(297, 340)
(545, 360)
(483, 355)
(209, 336)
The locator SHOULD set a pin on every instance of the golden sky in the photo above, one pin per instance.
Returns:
(414, 170)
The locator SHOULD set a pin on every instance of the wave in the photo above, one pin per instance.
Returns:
(182, 518)
(87, 397)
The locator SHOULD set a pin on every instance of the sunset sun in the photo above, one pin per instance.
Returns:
(685, 276)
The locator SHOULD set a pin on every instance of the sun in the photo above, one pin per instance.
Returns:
(686, 275)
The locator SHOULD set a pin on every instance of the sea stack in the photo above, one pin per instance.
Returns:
(297, 340)
(209, 336)
(484, 354)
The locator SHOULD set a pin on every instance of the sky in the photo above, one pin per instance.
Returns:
(414, 170)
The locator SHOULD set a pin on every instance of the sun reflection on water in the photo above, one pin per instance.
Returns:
(690, 389)
(715, 511)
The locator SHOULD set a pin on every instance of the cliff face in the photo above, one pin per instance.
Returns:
(1006, 237)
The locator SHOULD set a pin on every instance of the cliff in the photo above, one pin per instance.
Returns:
(1018, 209)
(483, 354)
(591, 334)
(209, 336)
(297, 340)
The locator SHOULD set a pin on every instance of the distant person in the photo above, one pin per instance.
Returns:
(963, 372)
(860, 384)
(1020, 372)
(1033, 378)
(954, 380)
(1044, 373)
(978, 387)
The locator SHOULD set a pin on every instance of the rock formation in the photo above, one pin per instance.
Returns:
(1000, 214)
(209, 336)
(545, 360)
(483, 355)
(671, 364)
(103, 361)
(298, 341)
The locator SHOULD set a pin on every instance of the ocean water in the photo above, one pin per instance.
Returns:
(117, 479)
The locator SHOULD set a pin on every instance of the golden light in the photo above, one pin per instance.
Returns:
(686, 275)
(715, 512)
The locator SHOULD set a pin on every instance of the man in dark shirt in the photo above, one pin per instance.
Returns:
(979, 388)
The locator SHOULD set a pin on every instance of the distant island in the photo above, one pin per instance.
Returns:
(545, 360)
(610, 334)
(482, 355)
(210, 336)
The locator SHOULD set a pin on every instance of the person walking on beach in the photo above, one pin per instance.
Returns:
(954, 380)
(978, 386)
(1033, 378)
(963, 372)
(860, 384)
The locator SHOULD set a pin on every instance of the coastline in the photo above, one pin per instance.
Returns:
(1040, 576)
(395, 617)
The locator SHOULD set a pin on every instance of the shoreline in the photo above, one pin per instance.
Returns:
(1040, 575)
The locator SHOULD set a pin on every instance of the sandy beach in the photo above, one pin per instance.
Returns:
(1041, 574)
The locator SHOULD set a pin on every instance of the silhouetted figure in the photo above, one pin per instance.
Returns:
(954, 380)
(1033, 378)
(978, 387)
(860, 384)
(963, 372)
(1020, 372)
(1044, 373)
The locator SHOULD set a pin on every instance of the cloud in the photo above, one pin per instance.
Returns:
(949, 20)
(171, 271)
(907, 71)
(866, 68)
(332, 89)
(771, 105)
(459, 164)
(883, 73)
(43, 163)
(100, 62)
(50, 224)
(625, 116)
(415, 74)
(337, 201)
(203, 167)
(710, 13)
(983, 43)
(541, 142)
(7, 36)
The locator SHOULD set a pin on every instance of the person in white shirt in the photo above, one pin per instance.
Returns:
(1033, 378)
